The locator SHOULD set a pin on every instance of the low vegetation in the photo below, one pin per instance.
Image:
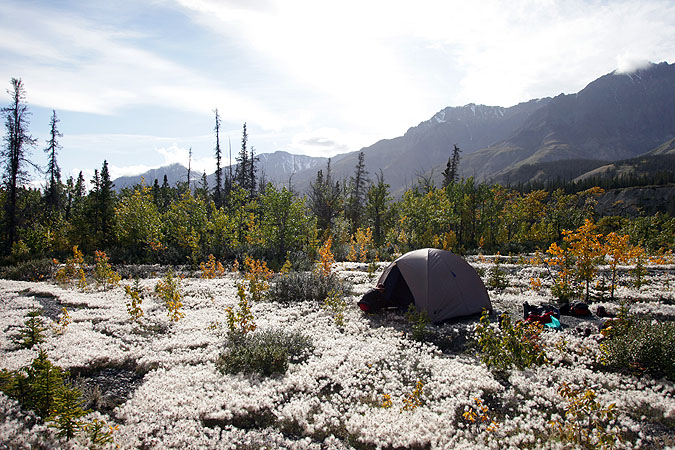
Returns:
(265, 352)
(287, 357)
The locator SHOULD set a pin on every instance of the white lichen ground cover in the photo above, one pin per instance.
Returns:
(334, 399)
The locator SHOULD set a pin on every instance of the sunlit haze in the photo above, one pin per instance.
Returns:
(136, 83)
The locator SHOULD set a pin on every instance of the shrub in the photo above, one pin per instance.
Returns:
(134, 305)
(41, 388)
(336, 305)
(32, 270)
(324, 265)
(419, 321)
(497, 277)
(240, 321)
(211, 268)
(73, 269)
(256, 276)
(306, 286)
(65, 320)
(32, 332)
(169, 291)
(585, 423)
(480, 415)
(640, 345)
(415, 398)
(265, 353)
(509, 345)
(103, 273)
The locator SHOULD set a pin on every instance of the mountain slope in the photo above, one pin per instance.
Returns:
(423, 147)
(617, 116)
(276, 167)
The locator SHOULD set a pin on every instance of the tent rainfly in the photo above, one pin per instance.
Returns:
(437, 281)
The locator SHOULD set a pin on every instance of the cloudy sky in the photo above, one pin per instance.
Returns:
(136, 82)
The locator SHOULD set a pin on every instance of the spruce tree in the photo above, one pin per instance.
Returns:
(242, 172)
(376, 208)
(325, 198)
(157, 195)
(165, 194)
(217, 190)
(15, 153)
(107, 198)
(70, 190)
(53, 189)
(358, 184)
(203, 190)
(189, 169)
(451, 172)
(251, 173)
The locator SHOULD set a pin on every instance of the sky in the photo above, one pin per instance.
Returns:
(136, 82)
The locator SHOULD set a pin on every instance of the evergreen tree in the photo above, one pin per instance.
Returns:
(76, 195)
(451, 172)
(217, 191)
(79, 186)
(251, 172)
(70, 190)
(107, 198)
(53, 189)
(165, 194)
(102, 206)
(14, 155)
(202, 191)
(229, 179)
(189, 189)
(156, 194)
(358, 184)
(325, 198)
(376, 208)
(242, 173)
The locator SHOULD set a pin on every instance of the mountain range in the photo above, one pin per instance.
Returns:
(616, 117)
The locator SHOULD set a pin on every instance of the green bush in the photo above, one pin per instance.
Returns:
(265, 353)
(419, 320)
(640, 346)
(32, 270)
(497, 279)
(307, 286)
(41, 388)
(511, 345)
(32, 332)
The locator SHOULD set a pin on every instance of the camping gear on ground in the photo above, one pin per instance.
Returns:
(530, 310)
(548, 315)
(373, 300)
(541, 318)
(575, 309)
(393, 292)
(436, 281)
(553, 324)
(602, 312)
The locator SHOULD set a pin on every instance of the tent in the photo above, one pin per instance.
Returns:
(436, 281)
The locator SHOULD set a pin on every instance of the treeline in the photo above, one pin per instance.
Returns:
(242, 215)
(173, 225)
(654, 170)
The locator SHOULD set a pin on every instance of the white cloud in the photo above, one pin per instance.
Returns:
(360, 55)
(181, 155)
(318, 77)
(628, 64)
(72, 63)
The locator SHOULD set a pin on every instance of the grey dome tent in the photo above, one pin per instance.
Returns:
(437, 281)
